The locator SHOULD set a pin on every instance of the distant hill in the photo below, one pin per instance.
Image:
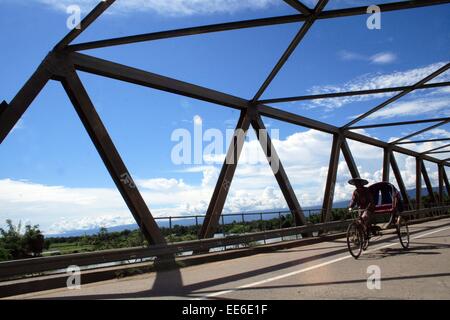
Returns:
(228, 219)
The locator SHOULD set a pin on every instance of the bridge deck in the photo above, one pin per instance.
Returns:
(321, 271)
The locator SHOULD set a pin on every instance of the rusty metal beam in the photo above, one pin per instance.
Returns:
(111, 158)
(330, 185)
(223, 184)
(401, 123)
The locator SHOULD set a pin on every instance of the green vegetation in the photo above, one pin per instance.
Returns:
(17, 245)
(31, 243)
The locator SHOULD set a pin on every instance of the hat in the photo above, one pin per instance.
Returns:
(354, 180)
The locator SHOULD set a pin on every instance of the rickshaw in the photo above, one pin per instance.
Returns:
(388, 201)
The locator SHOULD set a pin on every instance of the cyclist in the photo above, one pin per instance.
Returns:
(363, 199)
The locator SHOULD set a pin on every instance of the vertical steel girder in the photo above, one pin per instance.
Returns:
(427, 181)
(223, 184)
(441, 183)
(386, 164)
(418, 183)
(399, 179)
(278, 170)
(447, 184)
(331, 178)
(111, 158)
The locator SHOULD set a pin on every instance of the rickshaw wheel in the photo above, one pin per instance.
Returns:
(403, 232)
(355, 239)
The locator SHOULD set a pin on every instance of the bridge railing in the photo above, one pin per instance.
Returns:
(55, 264)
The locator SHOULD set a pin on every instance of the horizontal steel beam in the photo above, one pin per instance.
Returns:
(421, 131)
(424, 141)
(293, 118)
(250, 24)
(435, 149)
(393, 124)
(391, 100)
(351, 93)
(435, 152)
(132, 75)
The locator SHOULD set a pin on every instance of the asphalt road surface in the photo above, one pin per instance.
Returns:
(320, 271)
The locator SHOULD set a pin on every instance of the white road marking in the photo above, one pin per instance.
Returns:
(293, 273)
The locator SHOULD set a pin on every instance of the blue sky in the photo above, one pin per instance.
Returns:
(50, 173)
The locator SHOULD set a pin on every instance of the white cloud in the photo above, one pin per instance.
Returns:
(376, 81)
(383, 58)
(168, 7)
(435, 107)
(305, 156)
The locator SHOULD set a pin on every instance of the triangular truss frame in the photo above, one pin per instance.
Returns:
(63, 62)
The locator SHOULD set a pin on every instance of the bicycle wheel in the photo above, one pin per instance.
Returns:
(355, 239)
(403, 232)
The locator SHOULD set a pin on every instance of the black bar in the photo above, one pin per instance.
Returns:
(111, 158)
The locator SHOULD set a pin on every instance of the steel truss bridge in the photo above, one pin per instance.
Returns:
(65, 59)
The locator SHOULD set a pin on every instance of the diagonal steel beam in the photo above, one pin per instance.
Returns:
(426, 179)
(400, 95)
(351, 93)
(421, 131)
(330, 14)
(399, 179)
(12, 112)
(401, 123)
(84, 24)
(436, 152)
(331, 178)
(121, 72)
(351, 164)
(438, 148)
(441, 182)
(223, 184)
(297, 5)
(278, 169)
(111, 158)
(296, 119)
(290, 49)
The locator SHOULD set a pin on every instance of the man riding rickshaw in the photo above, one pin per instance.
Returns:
(376, 200)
